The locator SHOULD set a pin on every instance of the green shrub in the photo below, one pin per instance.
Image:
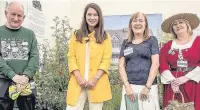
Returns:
(52, 79)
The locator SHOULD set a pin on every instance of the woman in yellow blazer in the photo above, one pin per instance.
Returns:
(89, 57)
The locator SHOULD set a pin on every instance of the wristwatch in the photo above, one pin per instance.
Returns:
(148, 87)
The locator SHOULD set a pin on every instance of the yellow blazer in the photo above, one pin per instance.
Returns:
(100, 58)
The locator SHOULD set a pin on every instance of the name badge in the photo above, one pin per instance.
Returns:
(128, 51)
(182, 63)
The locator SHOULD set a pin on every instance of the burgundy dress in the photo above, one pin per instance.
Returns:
(190, 89)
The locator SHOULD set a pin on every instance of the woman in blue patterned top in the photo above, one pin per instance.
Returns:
(138, 65)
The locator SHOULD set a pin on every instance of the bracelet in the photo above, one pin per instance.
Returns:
(148, 87)
(96, 77)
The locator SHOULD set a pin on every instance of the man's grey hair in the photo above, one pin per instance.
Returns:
(11, 3)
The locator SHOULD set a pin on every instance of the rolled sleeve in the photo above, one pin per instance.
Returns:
(33, 62)
(194, 74)
(167, 77)
(107, 54)
(72, 61)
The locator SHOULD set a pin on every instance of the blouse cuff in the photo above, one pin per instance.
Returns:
(167, 77)
(194, 74)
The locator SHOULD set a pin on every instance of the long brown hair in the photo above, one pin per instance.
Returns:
(130, 31)
(100, 34)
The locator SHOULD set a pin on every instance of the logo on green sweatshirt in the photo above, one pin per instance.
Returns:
(14, 49)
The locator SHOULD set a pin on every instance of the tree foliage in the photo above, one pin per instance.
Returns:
(53, 78)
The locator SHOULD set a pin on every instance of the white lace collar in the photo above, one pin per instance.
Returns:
(185, 46)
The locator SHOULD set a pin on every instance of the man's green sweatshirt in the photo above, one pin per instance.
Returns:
(19, 52)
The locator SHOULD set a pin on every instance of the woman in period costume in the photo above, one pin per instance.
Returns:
(180, 59)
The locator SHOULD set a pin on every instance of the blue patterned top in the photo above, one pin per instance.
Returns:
(138, 59)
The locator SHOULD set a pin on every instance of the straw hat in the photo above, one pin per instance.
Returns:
(191, 18)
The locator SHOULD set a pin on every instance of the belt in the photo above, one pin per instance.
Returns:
(185, 69)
